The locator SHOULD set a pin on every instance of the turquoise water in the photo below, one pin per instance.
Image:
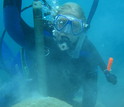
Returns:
(106, 32)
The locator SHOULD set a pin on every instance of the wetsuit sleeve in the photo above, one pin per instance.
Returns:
(14, 24)
(95, 57)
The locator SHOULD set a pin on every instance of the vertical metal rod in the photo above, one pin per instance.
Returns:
(39, 47)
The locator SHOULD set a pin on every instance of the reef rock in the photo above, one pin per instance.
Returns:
(42, 102)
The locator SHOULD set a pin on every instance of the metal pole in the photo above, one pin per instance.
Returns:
(39, 47)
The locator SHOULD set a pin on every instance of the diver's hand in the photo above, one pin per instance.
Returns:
(110, 77)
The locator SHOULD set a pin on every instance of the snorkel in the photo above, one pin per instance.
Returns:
(76, 52)
(92, 11)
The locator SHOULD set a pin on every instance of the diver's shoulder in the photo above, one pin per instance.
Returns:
(88, 43)
(87, 48)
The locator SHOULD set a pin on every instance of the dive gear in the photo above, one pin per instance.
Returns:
(92, 12)
(46, 4)
(110, 61)
(2, 65)
(110, 77)
(68, 23)
(2, 38)
(76, 52)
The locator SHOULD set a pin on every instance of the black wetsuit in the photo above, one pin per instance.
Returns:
(65, 75)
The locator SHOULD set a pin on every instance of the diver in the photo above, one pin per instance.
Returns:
(71, 59)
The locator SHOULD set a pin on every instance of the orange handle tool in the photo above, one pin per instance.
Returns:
(110, 61)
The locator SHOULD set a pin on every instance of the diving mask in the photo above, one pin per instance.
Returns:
(64, 23)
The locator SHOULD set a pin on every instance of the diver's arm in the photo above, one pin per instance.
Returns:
(15, 26)
(100, 60)
(109, 76)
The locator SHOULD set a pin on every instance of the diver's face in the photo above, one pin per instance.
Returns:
(67, 31)
(64, 40)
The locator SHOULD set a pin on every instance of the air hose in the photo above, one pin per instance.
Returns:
(1, 41)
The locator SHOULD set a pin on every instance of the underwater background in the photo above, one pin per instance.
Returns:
(107, 34)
